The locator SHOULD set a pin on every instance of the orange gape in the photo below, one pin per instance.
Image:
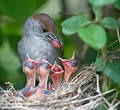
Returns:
(71, 66)
(56, 74)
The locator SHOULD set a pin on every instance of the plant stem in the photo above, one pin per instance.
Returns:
(102, 12)
(104, 54)
(105, 78)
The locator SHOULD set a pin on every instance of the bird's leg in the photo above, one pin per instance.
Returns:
(56, 74)
(43, 70)
(30, 70)
(71, 66)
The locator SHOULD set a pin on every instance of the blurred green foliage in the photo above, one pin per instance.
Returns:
(113, 71)
(97, 32)
(110, 23)
(101, 2)
(117, 4)
(99, 64)
(101, 107)
(20, 9)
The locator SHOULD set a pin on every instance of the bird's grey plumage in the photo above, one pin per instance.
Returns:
(35, 43)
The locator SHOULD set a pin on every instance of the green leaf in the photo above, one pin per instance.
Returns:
(105, 89)
(101, 2)
(1, 38)
(101, 107)
(13, 43)
(94, 35)
(11, 28)
(113, 71)
(110, 23)
(73, 24)
(96, 11)
(3, 74)
(117, 4)
(19, 9)
(99, 64)
(67, 31)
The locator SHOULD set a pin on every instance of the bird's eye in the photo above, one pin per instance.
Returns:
(44, 30)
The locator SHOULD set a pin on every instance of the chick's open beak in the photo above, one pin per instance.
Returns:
(55, 41)
(70, 66)
(56, 74)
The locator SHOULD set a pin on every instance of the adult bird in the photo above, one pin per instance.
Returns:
(39, 41)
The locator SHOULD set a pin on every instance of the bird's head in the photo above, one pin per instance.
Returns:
(42, 25)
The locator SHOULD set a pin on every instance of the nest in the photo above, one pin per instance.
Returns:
(82, 93)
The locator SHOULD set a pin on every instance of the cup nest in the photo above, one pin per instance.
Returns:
(82, 93)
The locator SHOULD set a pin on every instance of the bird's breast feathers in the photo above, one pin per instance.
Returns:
(36, 47)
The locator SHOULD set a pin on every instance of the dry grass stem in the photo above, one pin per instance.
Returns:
(81, 93)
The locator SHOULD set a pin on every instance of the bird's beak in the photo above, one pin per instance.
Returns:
(71, 66)
(55, 41)
(56, 74)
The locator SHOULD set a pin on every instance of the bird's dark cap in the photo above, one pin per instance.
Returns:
(46, 22)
